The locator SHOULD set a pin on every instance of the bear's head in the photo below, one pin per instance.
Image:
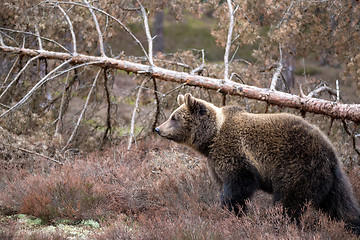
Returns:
(194, 123)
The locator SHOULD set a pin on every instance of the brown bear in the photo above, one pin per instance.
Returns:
(278, 153)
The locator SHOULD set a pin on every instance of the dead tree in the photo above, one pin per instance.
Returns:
(71, 60)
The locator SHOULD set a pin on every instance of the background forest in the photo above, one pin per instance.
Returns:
(84, 83)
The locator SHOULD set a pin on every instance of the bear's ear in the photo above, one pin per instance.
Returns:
(194, 105)
(180, 99)
(190, 101)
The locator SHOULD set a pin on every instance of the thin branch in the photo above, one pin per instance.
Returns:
(201, 67)
(82, 112)
(32, 152)
(148, 34)
(277, 72)
(233, 56)
(228, 42)
(10, 71)
(1, 40)
(112, 17)
(132, 125)
(101, 42)
(318, 90)
(157, 100)
(71, 28)
(352, 135)
(38, 37)
(38, 85)
(108, 109)
(337, 91)
(285, 14)
(18, 75)
(32, 34)
(60, 117)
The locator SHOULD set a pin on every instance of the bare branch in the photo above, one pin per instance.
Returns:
(112, 17)
(285, 15)
(10, 71)
(337, 91)
(1, 40)
(38, 37)
(101, 42)
(39, 84)
(108, 109)
(352, 135)
(60, 117)
(132, 126)
(201, 67)
(157, 100)
(318, 90)
(32, 152)
(314, 105)
(32, 34)
(18, 75)
(277, 72)
(148, 34)
(71, 28)
(228, 42)
(82, 112)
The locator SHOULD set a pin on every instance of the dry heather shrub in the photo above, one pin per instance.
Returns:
(160, 191)
(147, 179)
(66, 192)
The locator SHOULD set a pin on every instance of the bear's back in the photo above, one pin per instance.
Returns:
(275, 144)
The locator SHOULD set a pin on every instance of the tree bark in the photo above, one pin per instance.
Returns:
(306, 104)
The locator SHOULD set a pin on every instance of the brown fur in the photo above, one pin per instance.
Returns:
(278, 153)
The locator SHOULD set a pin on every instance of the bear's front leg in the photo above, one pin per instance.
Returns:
(236, 189)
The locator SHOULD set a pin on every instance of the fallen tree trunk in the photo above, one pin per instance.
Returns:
(307, 104)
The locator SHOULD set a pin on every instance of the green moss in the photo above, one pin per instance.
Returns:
(91, 223)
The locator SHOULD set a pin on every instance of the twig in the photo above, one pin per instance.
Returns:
(233, 56)
(285, 14)
(101, 42)
(108, 109)
(71, 28)
(331, 124)
(82, 112)
(1, 40)
(115, 19)
(238, 76)
(157, 113)
(33, 152)
(132, 126)
(38, 37)
(201, 67)
(228, 42)
(10, 71)
(352, 135)
(59, 122)
(39, 84)
(318, 90)
(337, 91)
(32, 34)
(148, 34)
(277, 72)
(18, 75)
